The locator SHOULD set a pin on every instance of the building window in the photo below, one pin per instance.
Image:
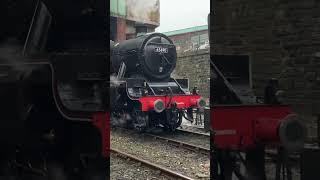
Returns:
(236, 69)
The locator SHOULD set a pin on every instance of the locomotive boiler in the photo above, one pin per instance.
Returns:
(53, 90)
(142, 89)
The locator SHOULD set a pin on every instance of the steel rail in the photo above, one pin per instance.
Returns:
(151, 165)
(191, 132)
(175, 142)
(181, 143)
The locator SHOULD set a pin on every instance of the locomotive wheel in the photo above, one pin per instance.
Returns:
(174, 122)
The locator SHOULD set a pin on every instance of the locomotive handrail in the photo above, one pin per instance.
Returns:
(179, 86)
(162, 84)
(164, 57)
(122, 70)
(151, 36)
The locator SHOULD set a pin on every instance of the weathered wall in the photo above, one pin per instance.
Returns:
(282, 39)
(121, 29)
(195, 66)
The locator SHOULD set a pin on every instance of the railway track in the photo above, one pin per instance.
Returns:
(171, 139)
(161, 169)
(185, 160)
(186, 136)
(271, 153)
(182, 144)
(192, 132)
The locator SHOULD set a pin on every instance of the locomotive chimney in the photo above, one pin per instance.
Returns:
(141, 29)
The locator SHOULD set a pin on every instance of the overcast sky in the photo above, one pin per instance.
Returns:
(180, 14)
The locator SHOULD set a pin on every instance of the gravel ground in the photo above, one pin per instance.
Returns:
(122, 169)
(192, 164)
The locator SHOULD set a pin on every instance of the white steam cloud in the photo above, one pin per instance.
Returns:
(143, 10)
(121, 120)
(115, 82)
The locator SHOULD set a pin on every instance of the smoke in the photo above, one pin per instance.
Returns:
(114, 81)
(11, 54)
(143, 10)
(120, 120)
(117, 119)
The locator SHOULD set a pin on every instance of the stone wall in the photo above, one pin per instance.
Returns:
(195, 66)
(282, 39)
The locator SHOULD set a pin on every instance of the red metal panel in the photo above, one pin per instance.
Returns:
(183, 101)
(239, 127)
(101, 121)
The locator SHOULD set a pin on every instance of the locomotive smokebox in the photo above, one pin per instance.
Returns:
(152, 56)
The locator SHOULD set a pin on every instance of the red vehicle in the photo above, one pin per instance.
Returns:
(54, 98)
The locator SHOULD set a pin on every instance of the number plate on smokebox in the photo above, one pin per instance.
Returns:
(161, 50)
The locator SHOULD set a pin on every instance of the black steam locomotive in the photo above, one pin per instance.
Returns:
(142, 90)
(53, 90)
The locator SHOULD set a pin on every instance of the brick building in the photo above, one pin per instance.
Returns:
(280, 38)
(190, 39)
(125, 13)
